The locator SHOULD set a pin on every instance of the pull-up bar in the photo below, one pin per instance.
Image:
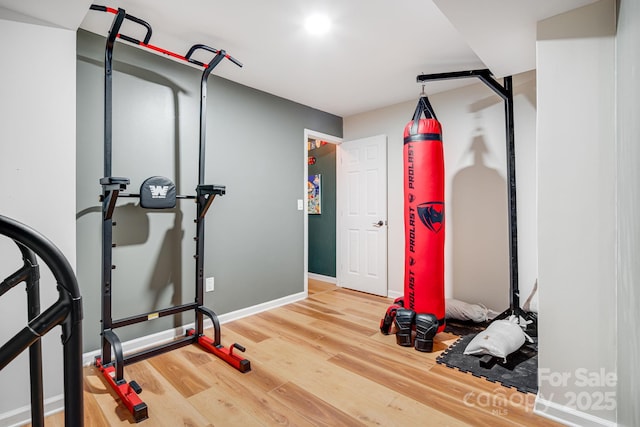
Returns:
(506, 93)
(114, 33)
(147, 38)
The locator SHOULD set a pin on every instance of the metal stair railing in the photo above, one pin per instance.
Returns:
(66, 312)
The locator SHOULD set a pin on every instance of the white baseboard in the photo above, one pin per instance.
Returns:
(395, 294)
(322, 278)
(21, 416)
(164, 336)
(334, 280)
(568, 416)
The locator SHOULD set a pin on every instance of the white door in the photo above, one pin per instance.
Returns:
(362, 215)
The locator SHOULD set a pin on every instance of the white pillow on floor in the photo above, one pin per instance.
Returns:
(460, 310)
(500, 339)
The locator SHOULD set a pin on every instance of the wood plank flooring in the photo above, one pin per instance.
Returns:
(318, 362)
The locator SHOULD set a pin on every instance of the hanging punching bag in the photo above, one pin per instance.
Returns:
(424, 214)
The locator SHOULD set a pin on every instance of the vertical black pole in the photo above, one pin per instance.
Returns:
(35, 351)
(201, 200)
(219, 56)
(73, 383)
(199, 219)
(108, 69)
(514, 298)
(107, 222)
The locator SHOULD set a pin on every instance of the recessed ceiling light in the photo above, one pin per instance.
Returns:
(317, 24)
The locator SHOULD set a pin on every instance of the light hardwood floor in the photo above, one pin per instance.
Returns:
(318, 362)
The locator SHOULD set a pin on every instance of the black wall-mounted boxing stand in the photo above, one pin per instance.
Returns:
(506, 93)
(155, 193)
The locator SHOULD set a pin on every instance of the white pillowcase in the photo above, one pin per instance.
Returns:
(500, 339)
(460, 310)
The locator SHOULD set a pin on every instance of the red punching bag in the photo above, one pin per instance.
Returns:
(424, 214)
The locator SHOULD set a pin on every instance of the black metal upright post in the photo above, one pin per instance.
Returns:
(108, 91)
(514, 301)
(35, 351)
(109, 193)
(201, 199)
(506, 93)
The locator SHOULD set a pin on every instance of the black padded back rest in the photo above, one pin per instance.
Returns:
(158, 192)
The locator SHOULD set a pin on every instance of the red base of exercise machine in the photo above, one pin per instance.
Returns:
(127, 391)
(226, 354)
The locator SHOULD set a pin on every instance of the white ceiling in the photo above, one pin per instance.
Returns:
(369, 60)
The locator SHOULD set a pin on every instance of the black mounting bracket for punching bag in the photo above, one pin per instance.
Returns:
(506, 93)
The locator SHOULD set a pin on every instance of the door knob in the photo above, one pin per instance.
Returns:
(378, 224)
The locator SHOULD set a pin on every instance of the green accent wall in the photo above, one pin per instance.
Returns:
(322, 228)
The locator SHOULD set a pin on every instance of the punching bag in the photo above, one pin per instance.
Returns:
(424, 214)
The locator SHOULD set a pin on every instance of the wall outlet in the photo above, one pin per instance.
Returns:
(209, 284)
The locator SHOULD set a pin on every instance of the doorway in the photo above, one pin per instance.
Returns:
(361, 212)
(323, 207)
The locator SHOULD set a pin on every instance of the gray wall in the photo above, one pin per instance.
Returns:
(37, 182)
(576, 212)
(255, 146)
(628, 206)
(322, 228)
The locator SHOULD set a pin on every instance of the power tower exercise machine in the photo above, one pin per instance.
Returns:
(156, 192)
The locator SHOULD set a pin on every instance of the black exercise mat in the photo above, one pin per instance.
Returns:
(464, 327)
(520, 371)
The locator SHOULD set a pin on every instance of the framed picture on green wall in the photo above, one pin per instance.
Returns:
(314, 194)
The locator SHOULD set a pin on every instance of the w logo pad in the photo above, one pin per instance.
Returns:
(159, 191)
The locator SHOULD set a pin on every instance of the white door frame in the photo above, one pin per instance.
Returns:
(308, 133)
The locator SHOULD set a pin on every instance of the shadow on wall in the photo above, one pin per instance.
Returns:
(135, 225)
(168, 267)
(480, 216)
(480, 232)
(132, 225)
(133, 229)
